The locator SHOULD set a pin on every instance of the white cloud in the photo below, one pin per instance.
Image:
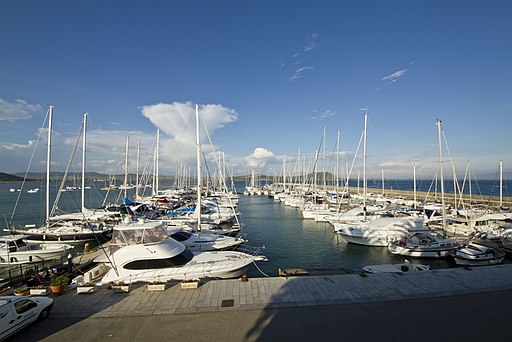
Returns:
(392, 78)
(259, 158)
(178, 119)
(298, 73)
(312, 43)
(324, 115)
(19, 110)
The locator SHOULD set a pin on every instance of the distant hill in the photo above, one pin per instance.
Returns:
(5, 177)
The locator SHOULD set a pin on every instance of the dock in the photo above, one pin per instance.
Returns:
(458, 304)
(280, 292)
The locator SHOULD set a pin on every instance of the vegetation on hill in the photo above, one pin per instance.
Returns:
(5, 177)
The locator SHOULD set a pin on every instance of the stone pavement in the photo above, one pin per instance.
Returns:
(262, 293)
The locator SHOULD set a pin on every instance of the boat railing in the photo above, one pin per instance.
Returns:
(251, 250)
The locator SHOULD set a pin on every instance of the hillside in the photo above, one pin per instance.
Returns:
(5, 177)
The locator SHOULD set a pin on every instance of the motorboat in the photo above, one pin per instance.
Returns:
(205, 241)
(396, 268)
(16, 250)
(475, 254)
(380, 231)
(143, 252)
(424, 244)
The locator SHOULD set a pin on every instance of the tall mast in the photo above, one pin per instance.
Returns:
(382, 172)
(325, 182)
(414, 179)
(126, 167)
(198, 160)
(501, 184)
(137, 170)
(48, 159)
(438, 123)
(84, 144)
(364, 163)
(337, 163)
(157, 166)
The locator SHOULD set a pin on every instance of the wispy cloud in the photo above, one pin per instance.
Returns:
(17, 110)
(298, 73)
(323, 115)
(312, 43)
(392, 78)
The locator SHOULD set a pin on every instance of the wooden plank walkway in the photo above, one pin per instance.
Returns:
(260, 293)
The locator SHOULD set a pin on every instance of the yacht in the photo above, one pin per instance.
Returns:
(474, 254)
(143, 252)
(425, 244)
(16, 250)
(205, 241)
(380, 231)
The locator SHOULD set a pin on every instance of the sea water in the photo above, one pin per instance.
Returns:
(286, 239)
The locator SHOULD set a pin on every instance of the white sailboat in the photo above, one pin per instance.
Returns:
(427, 244)
(63, 229)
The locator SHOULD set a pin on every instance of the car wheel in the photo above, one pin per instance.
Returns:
(44, 314)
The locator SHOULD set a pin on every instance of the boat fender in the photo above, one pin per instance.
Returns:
(13, 259)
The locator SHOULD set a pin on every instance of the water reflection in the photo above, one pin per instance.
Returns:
(292, 242)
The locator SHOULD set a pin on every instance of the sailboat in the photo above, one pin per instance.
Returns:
(144, 252)
(427, 244)
(60, 229)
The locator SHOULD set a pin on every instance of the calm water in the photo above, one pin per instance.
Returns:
(290, 241)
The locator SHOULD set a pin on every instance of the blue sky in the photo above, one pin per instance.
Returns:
(269, 76)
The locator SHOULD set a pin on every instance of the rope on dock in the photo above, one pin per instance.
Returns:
(259, 269)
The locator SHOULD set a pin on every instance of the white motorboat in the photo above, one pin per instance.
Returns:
(15, 250)
(380, 231)
(143, 252)
(426, 244)
(474, 254)
(205, 241)
(396, 268)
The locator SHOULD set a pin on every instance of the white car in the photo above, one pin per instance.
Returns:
(16, 312)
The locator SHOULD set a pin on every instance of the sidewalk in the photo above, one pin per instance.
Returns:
(262, 293)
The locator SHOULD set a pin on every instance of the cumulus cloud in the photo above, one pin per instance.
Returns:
(178, 119)
(259, 158)
(392, 78)
(298, 73)
(106, 148)
(18, 110)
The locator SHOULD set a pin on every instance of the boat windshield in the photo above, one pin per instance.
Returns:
(136, 236)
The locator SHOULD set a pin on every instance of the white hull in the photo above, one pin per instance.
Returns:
(225, 265)
(373, 241)
(41, 252)
(419, 252)
(487, 262)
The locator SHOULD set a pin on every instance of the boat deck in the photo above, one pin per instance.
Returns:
(278, 292)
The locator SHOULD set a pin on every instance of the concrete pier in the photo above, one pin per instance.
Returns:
(298, 307)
